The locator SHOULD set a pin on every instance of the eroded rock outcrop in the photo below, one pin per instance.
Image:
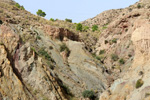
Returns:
(60, 33)
(23, 74)
(126, 88)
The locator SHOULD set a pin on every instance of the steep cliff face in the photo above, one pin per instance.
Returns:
(23, 75)
(133, 37)
(114, 46)
(134, 84)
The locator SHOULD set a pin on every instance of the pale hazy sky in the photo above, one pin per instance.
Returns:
(77, 10)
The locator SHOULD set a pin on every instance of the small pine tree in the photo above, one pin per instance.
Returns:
(41, 13)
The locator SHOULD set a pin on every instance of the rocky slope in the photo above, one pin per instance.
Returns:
(45, 60)
(114, 46)
(126, 36)
(41, 61)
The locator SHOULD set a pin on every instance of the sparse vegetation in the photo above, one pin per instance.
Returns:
(68, 20)
(105, 26)
(42, 52)
(52, 20)
(63, 47)
(88, 94)
(126, 30)
(35, 92)
(102, 52)
(139, 83)
(121, 61)
(33, 49)
(114, 40)
(41, 13)
(139, 6)
(94, 28)
(98, 58)
(38, 37)
(114, 57)
(66, 89)
(85, 28)
(79, 27)
(18, 6)
(130, 9)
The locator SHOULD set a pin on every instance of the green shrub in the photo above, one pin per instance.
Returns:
(139, 83)
(105, 26)
(126, 30)
(66, 89)
(33, 49)
(79, 27)
(94, 55)
(18, 6)
(42, 52)
(88, 94)
(68, 20)
(121, 61)
(139, 6)
(85, 28)
(52, 20)
(114, 40)
(94, 28)
(41, 13)
(22, 8)
(102, 52)
(38, 37)
(98, 58)
(63, 47)
(114, 57)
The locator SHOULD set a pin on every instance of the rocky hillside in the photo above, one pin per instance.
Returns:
(42, 60)
(51, 60)
(124, 48)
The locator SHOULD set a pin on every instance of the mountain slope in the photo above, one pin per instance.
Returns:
(50, 60)
(43, 61)
(126, 36)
